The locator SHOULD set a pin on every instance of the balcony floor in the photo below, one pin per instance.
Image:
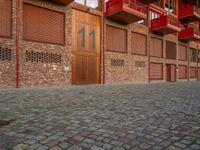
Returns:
(124, 17)
(190, 18)
(168, 29)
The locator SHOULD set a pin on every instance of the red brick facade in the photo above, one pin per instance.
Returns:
(48, 61)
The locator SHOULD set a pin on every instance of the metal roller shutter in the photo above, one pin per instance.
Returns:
(5, 18)
(156, 71)
(138, 44)
(182, 52)
(156, 47)
(182, 72)
(170, 50)
(116, 39)
(43, 25)
(193, 72)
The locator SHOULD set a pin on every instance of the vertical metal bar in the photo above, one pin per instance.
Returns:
(103, 41)
(149, 39)
(17, 43)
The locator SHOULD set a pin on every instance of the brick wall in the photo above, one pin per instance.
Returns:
(134, 68)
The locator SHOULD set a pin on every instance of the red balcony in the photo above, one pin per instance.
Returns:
(63, 2)
(188, 13)
(125, 11)
(148, 1)
(189, 34)
(165, 25)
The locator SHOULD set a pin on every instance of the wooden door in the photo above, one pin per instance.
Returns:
(86, 48)
(171, 73)
(198, 73)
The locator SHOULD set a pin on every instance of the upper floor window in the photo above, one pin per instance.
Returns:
(193, 55)
(154, 15)
(159, 3)
(170, 6)
(90, 3)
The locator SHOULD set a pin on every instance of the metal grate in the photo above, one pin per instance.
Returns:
(32, 56)
(5, 54)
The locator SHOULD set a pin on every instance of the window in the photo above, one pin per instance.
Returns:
(138, 44)
(182, 52)
(159, 3)
(43, 25)
(116, 39)
(170, 50)
(156, 71)
(199, 56)
(156, 47)
(154, 15)
(193, 55)
(5, 18)
(170, 6)
(182, 72)
(90, 3)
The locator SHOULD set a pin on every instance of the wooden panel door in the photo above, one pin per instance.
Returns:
(171, 73)
(86, 48)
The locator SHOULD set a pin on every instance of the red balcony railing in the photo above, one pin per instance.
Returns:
(188, 13)
(126, 11)
(63, 2)
(165, 25)
(189, 34)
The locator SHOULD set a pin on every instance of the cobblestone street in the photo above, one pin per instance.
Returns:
(105, 117)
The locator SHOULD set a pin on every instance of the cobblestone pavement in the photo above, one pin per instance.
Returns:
(105, 117)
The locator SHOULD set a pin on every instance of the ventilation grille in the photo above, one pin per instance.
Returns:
(5, 54)
(32, 56)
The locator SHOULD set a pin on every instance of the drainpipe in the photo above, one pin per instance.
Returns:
(149, 40)
(103, 41)
(17, 43)
(197, 53)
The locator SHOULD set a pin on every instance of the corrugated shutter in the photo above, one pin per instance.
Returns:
(182, 72)
(156, 71)
(116, 39)
(138, 44)
(193, 72)
(182, 52)
(156, 47)
(43, 25)
(170, 50)
(5, 18)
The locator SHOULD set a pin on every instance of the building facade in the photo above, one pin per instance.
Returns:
(75, 42)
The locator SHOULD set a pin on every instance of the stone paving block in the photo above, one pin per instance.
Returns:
(107, 146)
(42, 148)
(75, 147)
(180, 145)
(97, 148)
(109, 117)
(64, 145)
(145, 146)
(195, 146)
(116, 143)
